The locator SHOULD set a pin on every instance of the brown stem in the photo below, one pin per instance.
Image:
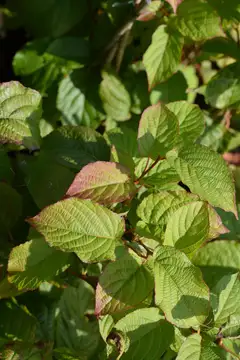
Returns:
(227, 119)
(147, 170)
(232, 158)
(228, 350)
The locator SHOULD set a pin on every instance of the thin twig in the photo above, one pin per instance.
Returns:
(149, 169)
(122, 48)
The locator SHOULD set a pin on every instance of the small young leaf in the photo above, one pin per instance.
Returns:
(195, 348)
(149, 333)
(197, 20)
(80, 226)
(191, 121)
(174, 4)
(124, 284)
(179, 288)
(163, 55)
(217, 228)
(116, 100)
(73, 330)
(225, 298)
(158, 131)
(35, 261)
(20, 112)
(104, 182)
(206, 174)
(188, 227)
(75, 146)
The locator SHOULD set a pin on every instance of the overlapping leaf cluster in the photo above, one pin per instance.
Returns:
(119, 216)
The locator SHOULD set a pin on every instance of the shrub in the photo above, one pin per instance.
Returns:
(119, 216)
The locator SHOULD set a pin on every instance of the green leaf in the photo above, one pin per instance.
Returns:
(229, 10)
(217, 228)
(224, 89)
(11, 207)
(18, 353)
(157, 208)
(60, 16)
(217, 259)
(197, 20)
(17, 324)
(80, 226)
(73, 330)
(40, 69)
(162, 176)
(225, 298)
(106, 324)
(195, 348)
(232, 327)
(116, 99)
(124, 284)
(222, 45)
(158, 131)
(31, 58)
(77, 100)
(230, 221)
(47, 181)
(124, 146)
(35, 261)
(179, 288)
(150, 335)
(70, 48)
(191, 121)
(163, 55)
(174, 89)
(7, 289)
(188, 227)
(76, 146)
(213, 136)
(206, 174)
(20, 111)
(104, 182)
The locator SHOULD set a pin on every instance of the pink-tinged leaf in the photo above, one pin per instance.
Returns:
(174, 4)
(104, 182)
(149, 11)
(216, 226)
(124, 284)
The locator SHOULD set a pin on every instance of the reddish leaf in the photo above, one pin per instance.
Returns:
(104, 182)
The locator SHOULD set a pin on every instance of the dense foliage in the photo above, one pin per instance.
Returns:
(119, 230)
